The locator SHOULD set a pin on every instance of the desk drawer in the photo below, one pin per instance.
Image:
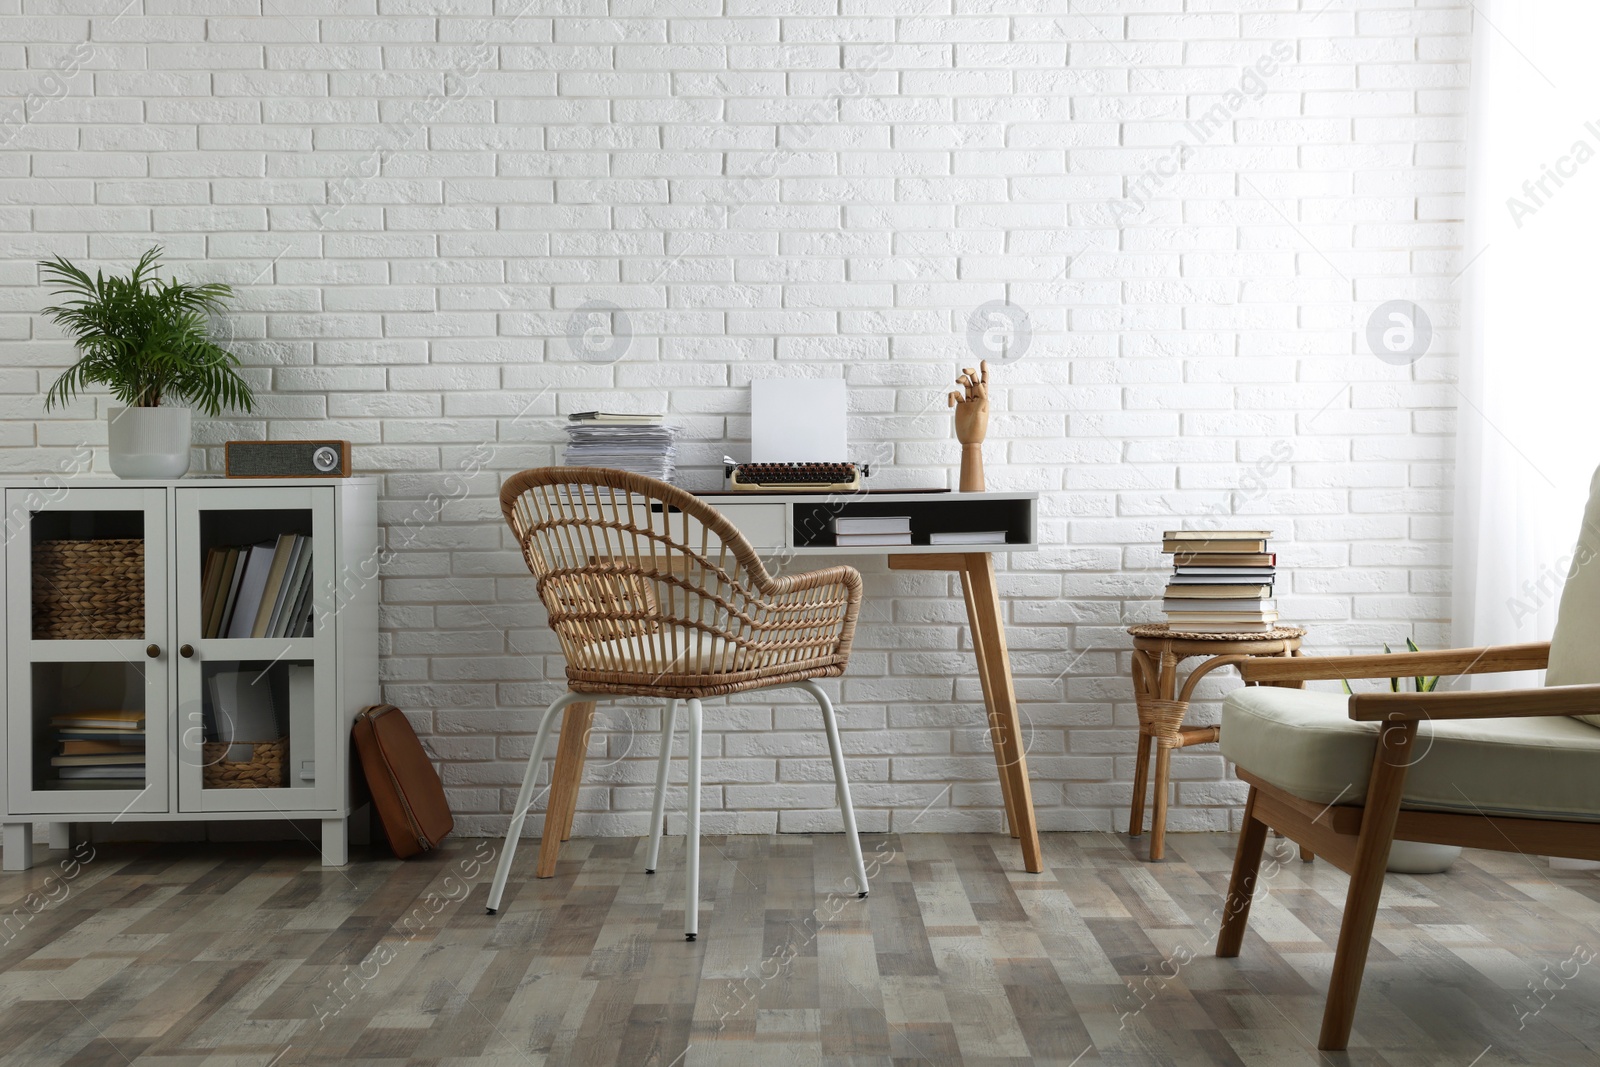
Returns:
(762, 524)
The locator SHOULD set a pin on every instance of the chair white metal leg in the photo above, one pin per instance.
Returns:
(658, 810)
(691, 917)
(525, 796)
(841, 783)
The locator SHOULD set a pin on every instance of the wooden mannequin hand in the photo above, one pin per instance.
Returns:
(971, 402)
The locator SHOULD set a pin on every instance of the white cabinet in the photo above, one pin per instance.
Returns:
(138, 688)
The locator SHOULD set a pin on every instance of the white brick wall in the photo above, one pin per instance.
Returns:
(412, 196)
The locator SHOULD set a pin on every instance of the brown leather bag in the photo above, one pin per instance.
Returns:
(406, 791)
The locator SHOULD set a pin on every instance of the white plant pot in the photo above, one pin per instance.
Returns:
(149, 442)
(1421, 857)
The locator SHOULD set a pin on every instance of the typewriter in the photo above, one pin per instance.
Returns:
(796, 477)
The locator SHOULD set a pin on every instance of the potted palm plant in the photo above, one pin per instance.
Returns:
(146, 340)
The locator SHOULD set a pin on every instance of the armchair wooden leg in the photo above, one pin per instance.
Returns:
(1242, 886)
(571, 749)
(1378, 820)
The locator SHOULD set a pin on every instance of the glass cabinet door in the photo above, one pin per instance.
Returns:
(87, 654)
(254, 636)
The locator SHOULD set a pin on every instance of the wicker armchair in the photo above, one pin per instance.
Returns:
(653, 593)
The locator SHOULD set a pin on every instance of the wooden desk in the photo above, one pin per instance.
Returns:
(783, 527)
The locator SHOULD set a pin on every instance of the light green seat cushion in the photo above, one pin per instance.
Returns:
(1304, 742)
(1575, 645)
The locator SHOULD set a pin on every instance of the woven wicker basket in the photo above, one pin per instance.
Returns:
(263, 770)
(88, 590)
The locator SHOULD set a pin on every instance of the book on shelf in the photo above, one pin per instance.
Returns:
(1250, 591)
(92, 747)
(846, 540)
(289, 591)
(300, 615)
(130, 771)
(99, 759)
(210, 579)
(1171, 604)
(967, 537)
(254, 581)
(281, 554)
(238, 556)
(1224, 616)
(871, 524)
(134, 782)
(1223, 576)
(1186, 621)
(1216, 535)
(121, 738)
(1225, 559)
(288, 625)
(111, 720)
(1216, 547)
(93, 733)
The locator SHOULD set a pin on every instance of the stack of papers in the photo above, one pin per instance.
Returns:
(639, 448)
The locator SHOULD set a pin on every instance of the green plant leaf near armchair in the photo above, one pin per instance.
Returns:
(1347, 776)
(147, 340)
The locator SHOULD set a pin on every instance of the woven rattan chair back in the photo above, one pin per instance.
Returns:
(653, 592)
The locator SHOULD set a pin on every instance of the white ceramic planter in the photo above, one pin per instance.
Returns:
(149, 442)
(1420, 857)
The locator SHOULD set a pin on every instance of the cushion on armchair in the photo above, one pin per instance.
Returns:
(1306, 743)
(1575, 646)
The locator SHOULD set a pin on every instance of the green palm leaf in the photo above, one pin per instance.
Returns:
(145, 339)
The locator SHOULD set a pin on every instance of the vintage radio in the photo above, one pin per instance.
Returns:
(287, 459)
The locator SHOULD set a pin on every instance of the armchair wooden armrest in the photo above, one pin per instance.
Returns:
(1494, 659)
(1492, 704)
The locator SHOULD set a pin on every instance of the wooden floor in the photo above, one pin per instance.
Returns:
(254, 955)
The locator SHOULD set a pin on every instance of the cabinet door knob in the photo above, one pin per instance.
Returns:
(186, 651)
(152, 651)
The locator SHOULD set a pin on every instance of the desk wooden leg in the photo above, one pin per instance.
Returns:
(564, 780)
(979, 653)
(1141, 781)
(1005, 724)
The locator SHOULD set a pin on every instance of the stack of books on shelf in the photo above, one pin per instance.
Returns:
(640, 444)
(260, 590)
(871, 530)
(1221, 581)
(99, 749)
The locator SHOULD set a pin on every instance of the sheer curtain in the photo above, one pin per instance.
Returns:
(1528, 422)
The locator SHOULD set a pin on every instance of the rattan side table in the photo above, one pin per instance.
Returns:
(1157, 651)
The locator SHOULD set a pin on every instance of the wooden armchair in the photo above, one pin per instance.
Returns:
(1345, 776)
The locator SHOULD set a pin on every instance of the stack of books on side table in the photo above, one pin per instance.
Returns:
(1221, 581)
